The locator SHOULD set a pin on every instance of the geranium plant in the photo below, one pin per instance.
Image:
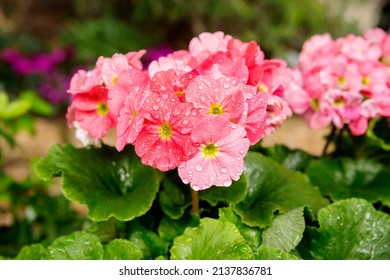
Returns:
(189, 178)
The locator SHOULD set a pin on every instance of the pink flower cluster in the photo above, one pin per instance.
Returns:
(343, 81)
(197, 110)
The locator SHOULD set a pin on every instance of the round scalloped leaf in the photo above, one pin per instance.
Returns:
(251, 234)
(292, 159)
(76, 246)
(346, 178)
(349, 229)
(109, 183)
(286, 230)
(32, 252)
(233, 194)
(174, 197)
(122, 249)
(379, 133)
(266, 253)
(273, 188)
(211, 240)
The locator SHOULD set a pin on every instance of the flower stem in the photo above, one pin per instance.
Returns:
(195, 201)
(329, 140)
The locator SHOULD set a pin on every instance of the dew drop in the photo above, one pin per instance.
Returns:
(176, 112)
(226, 86)
(155, 107)
(198, 168)
(200, 87)
(164, 96)
(185, 122)
(242, 151)
(224, 170)
(203, 99)
(212, 179)
(227, 183)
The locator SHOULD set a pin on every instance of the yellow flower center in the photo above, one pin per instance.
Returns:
(339, 101)
(114, 79)
(365, 81)
(216, 109)
(315, 104)
(134, 113)
(263, 88)
(341, 81)
(179, 92)
(209, 150)
(165, 131)
(102, 108)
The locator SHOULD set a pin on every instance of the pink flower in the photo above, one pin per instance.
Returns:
(220, 96)
(172, 82)
(128, 97)
(221, 147)
(206, 43)
(134, 59)
(91, 111)
(356, 48)
(317, 52)
(129, 82)
(83, 81)
(164, 141)
(112, 68)
(166, 64)
(256, 116)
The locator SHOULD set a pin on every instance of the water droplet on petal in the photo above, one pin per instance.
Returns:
(164, 96)
(212, 179)
(227, 183)
(185, 122)
(203, 99)
(155, 107)
(198, 168)
(224, 170)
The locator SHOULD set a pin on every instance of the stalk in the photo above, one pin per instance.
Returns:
(195, 201)
(329, 140)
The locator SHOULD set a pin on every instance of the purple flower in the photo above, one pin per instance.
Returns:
(156, 53)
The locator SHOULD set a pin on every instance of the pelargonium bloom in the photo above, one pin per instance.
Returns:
(221, 147)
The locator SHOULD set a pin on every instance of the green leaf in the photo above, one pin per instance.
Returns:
(38, 105)
(251, 234)
(151, 245)
(32, 252)
(122, 249)
(291, 159)
(273, 188)
(346, 178)
(233, 194)
(111, 184)
(211, 240)
(174, 197)
(168, 228)
(76, 246)
(266, 253)
(14, 109)
(379, 133)
(286, 230)
(349, 229)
